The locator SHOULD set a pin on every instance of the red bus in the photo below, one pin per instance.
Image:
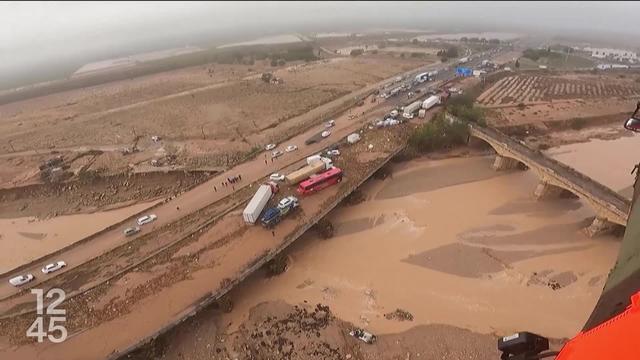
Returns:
(320, 181)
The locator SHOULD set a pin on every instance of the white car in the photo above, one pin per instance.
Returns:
(276, 153)
(270, 147)
(291, 148)
(20, 280)
(325, 133)
(132, 230)
(276, 177)
(333, 152)
(53, 267)
(365, 336)
(330, 123)
(147, 219)
(286, 202)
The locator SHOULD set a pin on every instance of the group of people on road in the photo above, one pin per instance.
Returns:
(230, 181)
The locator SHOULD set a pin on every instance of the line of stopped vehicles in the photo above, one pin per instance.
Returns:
(319, 172)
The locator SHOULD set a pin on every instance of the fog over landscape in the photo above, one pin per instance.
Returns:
(50, 34)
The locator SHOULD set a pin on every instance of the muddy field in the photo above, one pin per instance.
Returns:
(207, 116)
(88, 194)
(277, 330)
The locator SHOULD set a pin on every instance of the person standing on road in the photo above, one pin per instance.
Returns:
(215, 188)
(273, 233)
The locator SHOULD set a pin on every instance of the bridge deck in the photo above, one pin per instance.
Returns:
(586, 185)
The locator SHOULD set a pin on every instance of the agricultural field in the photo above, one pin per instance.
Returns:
(528, 89)
(537, 98)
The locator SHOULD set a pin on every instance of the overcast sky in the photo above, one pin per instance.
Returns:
(32, 33)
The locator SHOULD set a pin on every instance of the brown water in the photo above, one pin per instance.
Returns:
(25, 239)
(607, 161)
(452, 242)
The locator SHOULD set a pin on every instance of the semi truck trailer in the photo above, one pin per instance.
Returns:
(252, 211)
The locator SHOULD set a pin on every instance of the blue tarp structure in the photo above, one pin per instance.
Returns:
(463, 71)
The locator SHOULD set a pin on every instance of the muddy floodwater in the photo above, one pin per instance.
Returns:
(25, 239)
(607, 161)
(452, 242)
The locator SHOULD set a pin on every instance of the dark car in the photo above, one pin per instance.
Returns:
(271, 217)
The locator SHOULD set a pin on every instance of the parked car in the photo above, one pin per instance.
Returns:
(53, 267)
(333, 152)
(367, 337)
(20, 280)
(132, 230)
(270, 147)
(325, 133)
(276, 153)
(147, 219)
(330, 123)
(276, 177)
(291, 148)
(287, 202)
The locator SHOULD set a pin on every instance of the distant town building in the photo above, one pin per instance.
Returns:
(615, 54)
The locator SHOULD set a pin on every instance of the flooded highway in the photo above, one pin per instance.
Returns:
(28, 238)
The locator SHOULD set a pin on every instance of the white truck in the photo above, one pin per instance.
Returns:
(410, 109)
(430, 102)
(420, 78)
(252, 211)
(313, 158)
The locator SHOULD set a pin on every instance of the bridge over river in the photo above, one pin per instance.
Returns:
(555, 178)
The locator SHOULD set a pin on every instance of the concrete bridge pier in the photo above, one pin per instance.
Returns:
(599, 226)
(544, 190)
(504, 163)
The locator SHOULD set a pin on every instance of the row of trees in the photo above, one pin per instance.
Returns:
(441, 133)
(278, 58)
(437, 134)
